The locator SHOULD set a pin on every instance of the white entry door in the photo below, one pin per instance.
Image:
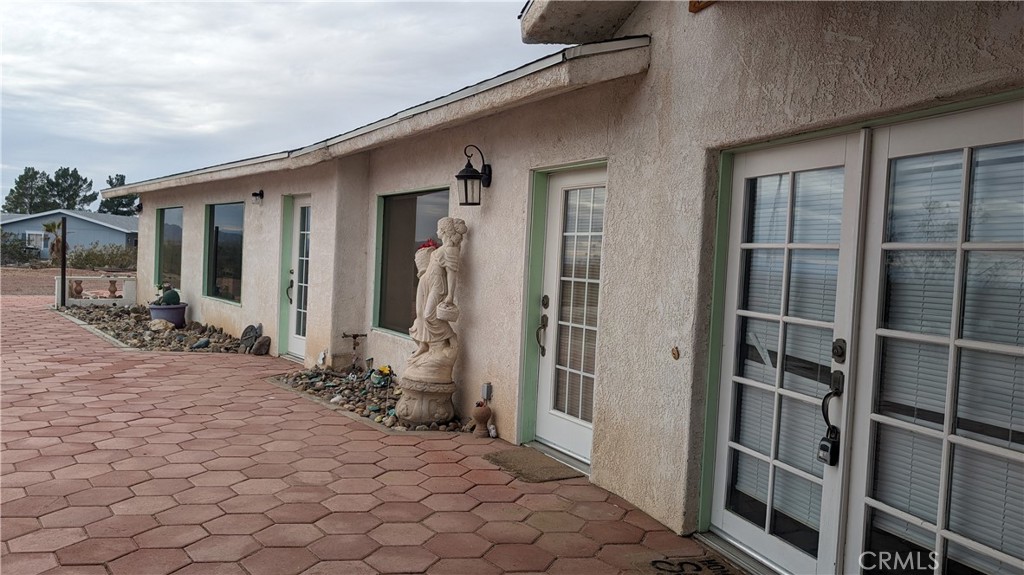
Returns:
(298, 290)
(569, 332)
(792, 253)
(939, 484)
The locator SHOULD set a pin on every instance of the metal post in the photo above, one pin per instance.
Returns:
(63, 261)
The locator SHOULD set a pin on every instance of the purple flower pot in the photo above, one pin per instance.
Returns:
(172, 313)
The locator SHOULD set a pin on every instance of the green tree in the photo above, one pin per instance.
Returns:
(121, 206)
(71, 190)
(31, 194)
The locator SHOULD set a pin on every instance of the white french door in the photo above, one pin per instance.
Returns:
(572, 285)
(793, 242)
(298, 290)
(940, 406)
(919, 271)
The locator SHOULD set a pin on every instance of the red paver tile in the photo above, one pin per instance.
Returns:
(358, 485)
(100, 496)
(582, 492)
(143, 505)
(544, 502)
(568, 544)
(171, 536)
(671, 544)
(348, 523)
(95, 551)
(316, 464)
(627, 556)
(446, 485)
(495, 493)
(517, 557)
(451, 502)
(269, 470)
(643, 521)
(150, 562)
(401, 511)
(488, 477)
(581, 566)
(279, 561)
(441, 457)
(238, 524)
(463, 566)
(339, 567)
(222, 548)
(297, 513)
(177, 470)
(288, 535)
(401, 534)
(33, 506)
(458, 545)
(74, 516)
(161, 487)
(26, 478)
(355, 502)
(250, 503)
(121, 526)
(27, 563)
(44, 462)
(189, 514)
(211, 569)
(508, 532)
(305, 494)
(406, 559)
(605, 532)
(228, 463)
(11, 527)
(45, 540)
(401, 493)
(77, 570)
(217, 478)
(555, 521)
(454, 522)
(501, 511)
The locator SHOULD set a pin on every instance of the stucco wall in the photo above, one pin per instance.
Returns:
(741, 72)
(261, 258)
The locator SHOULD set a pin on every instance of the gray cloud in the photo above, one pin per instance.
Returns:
(151, 89)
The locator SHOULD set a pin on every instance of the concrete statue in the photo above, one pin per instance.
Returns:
(427, 385)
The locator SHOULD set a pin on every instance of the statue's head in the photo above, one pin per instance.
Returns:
(451, 230)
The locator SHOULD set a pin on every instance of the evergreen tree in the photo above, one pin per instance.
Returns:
(121, 206)
(71, 190)
(31, 194)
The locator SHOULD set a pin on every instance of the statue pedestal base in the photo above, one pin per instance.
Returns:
(424, 403)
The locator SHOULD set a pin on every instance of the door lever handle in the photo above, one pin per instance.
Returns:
(543, 327)
(288, 292)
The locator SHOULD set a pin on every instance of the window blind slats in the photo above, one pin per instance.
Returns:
(997, 194)
(768, 204)
(912, 384)
(764, 281)
(812, 284)
(990, 402)
(818, 206)
(925, 198)
(987, 500)
(800, 428)
(919, 291)
(994, 297)
(907, 471)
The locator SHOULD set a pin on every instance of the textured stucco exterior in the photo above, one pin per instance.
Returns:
(736, 73)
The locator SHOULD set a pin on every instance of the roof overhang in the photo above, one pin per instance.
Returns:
(572, 21)
(571, 69)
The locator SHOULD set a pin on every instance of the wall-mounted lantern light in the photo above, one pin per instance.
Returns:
(257, 197)
(471, 180)
(138, 208)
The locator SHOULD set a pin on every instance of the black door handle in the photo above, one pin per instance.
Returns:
(288, 292)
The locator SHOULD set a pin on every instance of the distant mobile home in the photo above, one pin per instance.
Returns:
(84, 229)
(757, 268)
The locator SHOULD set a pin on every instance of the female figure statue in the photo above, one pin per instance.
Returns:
(437, 269)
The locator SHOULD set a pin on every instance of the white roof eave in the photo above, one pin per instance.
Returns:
(570, 69)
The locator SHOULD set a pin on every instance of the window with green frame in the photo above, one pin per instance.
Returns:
(225, 224)
(408, 220)
(169, 225)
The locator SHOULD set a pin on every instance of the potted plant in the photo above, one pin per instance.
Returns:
(169, 307)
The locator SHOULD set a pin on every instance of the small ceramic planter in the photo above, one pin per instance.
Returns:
(172, 313)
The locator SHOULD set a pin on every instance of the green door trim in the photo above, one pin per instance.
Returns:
(721, 264)
(284, 306)
(537, 212)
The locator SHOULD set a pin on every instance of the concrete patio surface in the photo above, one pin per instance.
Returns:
(117, 461)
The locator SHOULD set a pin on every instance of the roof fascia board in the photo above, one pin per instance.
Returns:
(570, 69)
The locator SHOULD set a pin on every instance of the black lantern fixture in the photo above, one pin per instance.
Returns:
(257, 197)
(472, 180)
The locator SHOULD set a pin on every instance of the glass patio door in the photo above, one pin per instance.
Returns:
(792, 260)
(940, 405)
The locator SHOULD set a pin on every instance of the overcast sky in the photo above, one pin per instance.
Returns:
(152, 89)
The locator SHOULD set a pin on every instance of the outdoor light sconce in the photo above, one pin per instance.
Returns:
(257, 197)
(138, 208)
(471, 180)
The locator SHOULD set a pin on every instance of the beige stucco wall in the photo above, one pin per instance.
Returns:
(734, 73)
(261, 258)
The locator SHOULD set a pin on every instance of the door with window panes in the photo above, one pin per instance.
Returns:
(940, 404)
(794, 230)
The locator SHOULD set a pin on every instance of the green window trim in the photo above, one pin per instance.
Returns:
(214, 259)
(159, 255)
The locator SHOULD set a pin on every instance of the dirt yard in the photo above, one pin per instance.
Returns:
(26, 281)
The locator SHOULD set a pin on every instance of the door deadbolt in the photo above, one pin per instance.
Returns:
(839, 350)
(545, 301)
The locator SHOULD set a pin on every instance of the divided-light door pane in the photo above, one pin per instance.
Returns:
(787, 301)
(948, 417)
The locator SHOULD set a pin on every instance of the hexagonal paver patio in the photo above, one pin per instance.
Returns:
(121, 461)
